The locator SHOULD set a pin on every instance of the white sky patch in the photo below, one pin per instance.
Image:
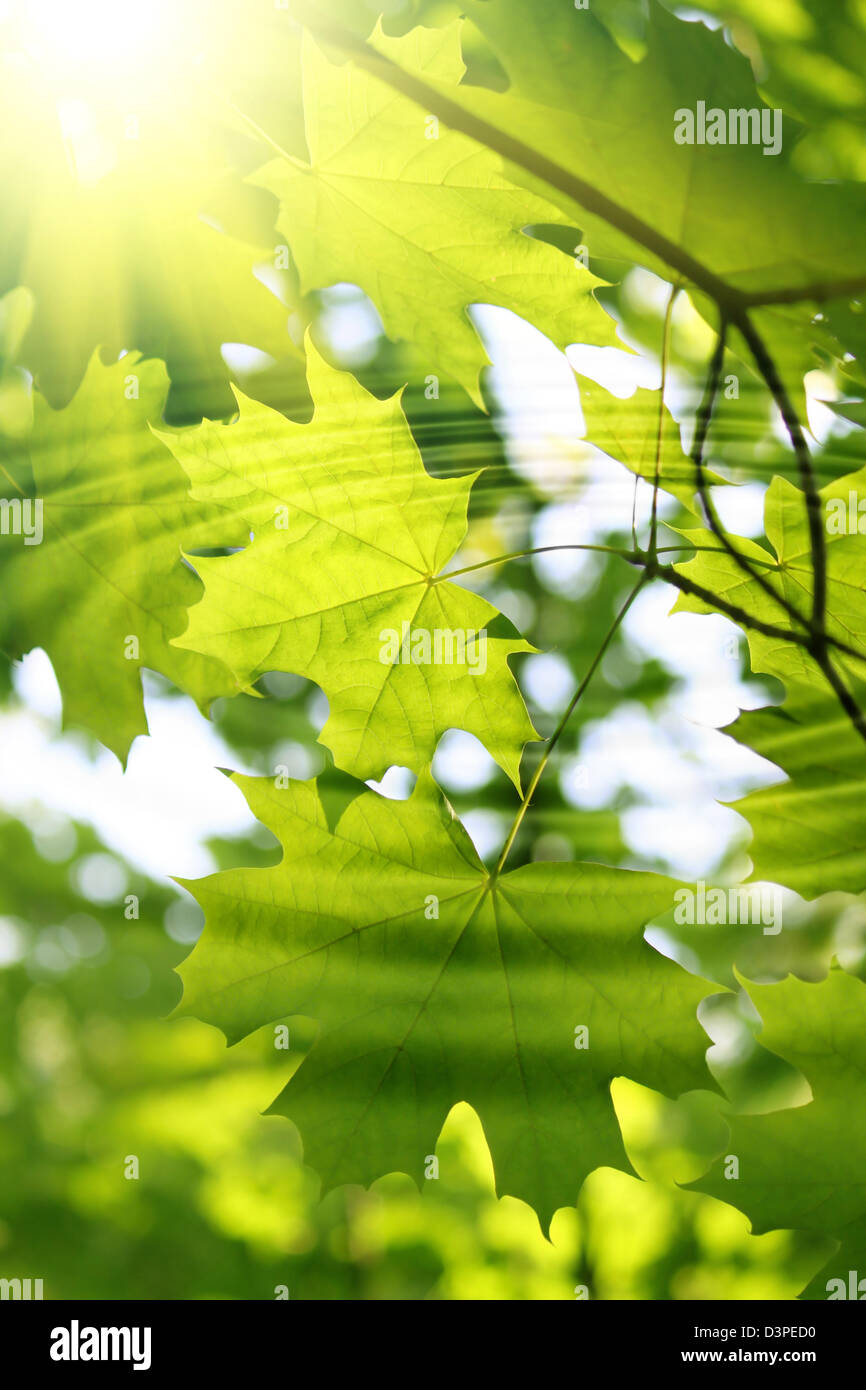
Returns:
(539, 400)
(243, 359)
(548, 681)
(487, 831)
(461, 762)
(566, 571)
(618, 371)
(350, 322)
(687, 837)
(396, 784)
(741, 508)
(157, 814)
(704, 649)
(677, 773)
(537, 395)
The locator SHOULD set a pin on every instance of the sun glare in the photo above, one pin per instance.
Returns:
(85, 33)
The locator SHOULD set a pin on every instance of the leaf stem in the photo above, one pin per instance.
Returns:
(666, 343)
(558, 731)
(536, 550)
(15, 484)
(669, 575)
(635, 556)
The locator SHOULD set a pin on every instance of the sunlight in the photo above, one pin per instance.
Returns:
(94, 32)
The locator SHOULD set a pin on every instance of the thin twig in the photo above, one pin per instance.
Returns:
(678, 580)
(536, 550)
(666, 343)
(558, 731)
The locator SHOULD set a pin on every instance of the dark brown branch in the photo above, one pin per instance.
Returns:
(817, 539)
(702, 425)
(732, 302)
(516, 152)
(843, 694)
(723, 605)
(819, 292)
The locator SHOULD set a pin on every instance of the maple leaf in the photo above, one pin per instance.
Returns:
(640, 432)
(803, 1167)
(106, 587)
(350, 539)
(434, 982)
(579, 100)
(426, 226)
(128, 255)
(590, 130)
(809, 832)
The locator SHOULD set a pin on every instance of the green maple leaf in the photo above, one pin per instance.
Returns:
(787, 568)
(579, 100)
(802, 940)
(109, 566)
(809, 832)
(814, 60)
(803, 1167)
(426, 226)
(640, 432)
(126, 247)
(350, 538)
(433, 983)
(126, 255)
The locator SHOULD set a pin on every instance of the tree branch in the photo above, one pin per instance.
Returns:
(702, 425)
(516, 152)
(843, 694)
(732, 302)
(819, 291)
(817, 539)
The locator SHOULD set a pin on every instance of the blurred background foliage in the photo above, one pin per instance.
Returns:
(93, 1072)
(93, 1075)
